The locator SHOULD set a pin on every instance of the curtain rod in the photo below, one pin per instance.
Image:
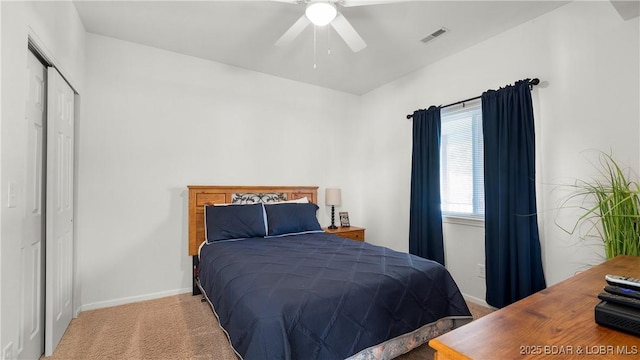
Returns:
(532, 82)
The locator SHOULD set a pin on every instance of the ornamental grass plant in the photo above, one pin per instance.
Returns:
(610, 206)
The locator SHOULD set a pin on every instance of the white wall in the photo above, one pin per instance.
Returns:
(1, 182)
(157, 121)
(57, 29)
(138, 149)
(588, 60)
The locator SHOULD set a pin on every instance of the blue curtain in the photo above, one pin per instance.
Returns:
(512, 244)
(425, 217)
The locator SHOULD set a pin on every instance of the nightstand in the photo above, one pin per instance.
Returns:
(352, 232)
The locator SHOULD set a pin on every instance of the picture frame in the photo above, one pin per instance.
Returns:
(344, 219)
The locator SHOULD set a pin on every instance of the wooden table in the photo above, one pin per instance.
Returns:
(555, 323)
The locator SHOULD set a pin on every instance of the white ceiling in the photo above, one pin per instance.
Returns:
(243, 33)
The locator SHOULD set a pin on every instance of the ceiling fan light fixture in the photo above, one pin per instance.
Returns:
(321, 13)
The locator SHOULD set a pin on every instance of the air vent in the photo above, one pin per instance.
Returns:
(434, 35)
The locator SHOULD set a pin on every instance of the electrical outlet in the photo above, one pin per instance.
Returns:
(481, 271)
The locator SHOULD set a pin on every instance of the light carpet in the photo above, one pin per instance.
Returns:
(174, 327)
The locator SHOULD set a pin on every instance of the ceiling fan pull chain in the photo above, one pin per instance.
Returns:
(328, 42)
(314, 46)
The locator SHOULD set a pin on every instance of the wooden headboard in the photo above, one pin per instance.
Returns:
(201, 195)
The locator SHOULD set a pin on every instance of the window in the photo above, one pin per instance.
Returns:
(461, 161)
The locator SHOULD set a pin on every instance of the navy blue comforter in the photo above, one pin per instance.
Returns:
(320, 296)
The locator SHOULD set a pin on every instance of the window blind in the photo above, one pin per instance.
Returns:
(461, 160)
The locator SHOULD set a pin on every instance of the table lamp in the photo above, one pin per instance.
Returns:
(332, 197)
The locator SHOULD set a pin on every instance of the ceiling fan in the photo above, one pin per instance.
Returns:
(325, 12)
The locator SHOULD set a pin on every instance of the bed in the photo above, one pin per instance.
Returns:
(282, 288)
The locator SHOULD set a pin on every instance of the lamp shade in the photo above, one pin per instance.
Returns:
(332, 197)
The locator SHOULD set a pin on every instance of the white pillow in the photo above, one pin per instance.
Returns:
(303, 200)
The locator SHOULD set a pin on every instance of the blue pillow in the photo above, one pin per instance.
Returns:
(234, 222)
(288, 218)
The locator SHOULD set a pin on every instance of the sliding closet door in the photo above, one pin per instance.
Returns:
(31, 326)
(59, 214)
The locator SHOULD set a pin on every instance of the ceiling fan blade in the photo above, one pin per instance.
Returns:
(290, 1)
(293, 31)
(348, 33)
(349, 3)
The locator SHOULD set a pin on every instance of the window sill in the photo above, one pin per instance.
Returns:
(463, 220)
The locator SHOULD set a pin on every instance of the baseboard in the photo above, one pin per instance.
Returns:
(477, 301)
(132, 299)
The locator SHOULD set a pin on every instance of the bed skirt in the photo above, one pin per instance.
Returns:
(404, 343)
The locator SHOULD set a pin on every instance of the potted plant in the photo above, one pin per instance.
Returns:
(610, 206)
